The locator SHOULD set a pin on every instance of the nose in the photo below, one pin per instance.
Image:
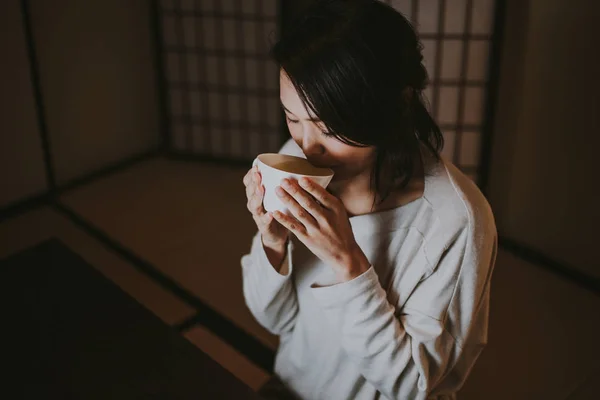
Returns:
(311, 146)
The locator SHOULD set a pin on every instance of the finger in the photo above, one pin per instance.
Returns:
(296, 209)
(250, 190)
(260, 222)
(248, 177)
(269, 222)
(266, 218)
(257, 177)
(318, 192)
(256, 202)
(305, 199)
(290, 223)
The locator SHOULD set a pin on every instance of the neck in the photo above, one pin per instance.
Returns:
(355, 193)
(357, 196)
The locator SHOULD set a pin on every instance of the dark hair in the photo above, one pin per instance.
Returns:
(357, 65)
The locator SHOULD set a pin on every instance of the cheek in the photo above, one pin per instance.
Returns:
(295, 131)
(351, 157)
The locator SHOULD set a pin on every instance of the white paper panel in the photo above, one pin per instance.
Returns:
(173, 68)
(193, 68)
(189, 31)
(250, 34)
(448, 151)
(178, 134)
(269, 35)
(249, 7)
(196, 105)
(272, 74)
(428, 16)
(251, 73)
(199, 138)
(214, 106)
(483, 14)
(205, 5)
(234, 107)
(470, 148)
(188, 5)
(255, 143)
(269, 8)
(216, 138)
(452, 56)
(273, 113)
(231, 72)
(404, 6)
(274, 142)
(429, 53)
(209, 30)
(169, 31)
(227, 6)
(176, 102)
(212, 70)
(474, 103)
(447, 105)
(167, 4)
(252, 104)
(236, 149)
(478, 60)
(454, 16)
(230, 35)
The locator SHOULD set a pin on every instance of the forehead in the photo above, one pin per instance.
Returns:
(290, 99)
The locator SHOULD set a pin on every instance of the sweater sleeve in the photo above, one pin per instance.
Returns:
(405, 353)
(270, 296)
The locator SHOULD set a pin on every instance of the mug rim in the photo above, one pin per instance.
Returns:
(327, 172)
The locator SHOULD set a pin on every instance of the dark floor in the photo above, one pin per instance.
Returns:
(544, 340)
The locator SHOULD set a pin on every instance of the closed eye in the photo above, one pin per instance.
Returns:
(324, 132)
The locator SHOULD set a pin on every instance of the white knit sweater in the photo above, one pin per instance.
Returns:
(412, 326)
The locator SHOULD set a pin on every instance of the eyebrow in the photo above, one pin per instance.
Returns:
(311, 119)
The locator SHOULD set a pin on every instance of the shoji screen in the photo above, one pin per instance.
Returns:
(223, 89)
(456, 35)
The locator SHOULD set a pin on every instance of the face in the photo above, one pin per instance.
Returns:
(321, 150)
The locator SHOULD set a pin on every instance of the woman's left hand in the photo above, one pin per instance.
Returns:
(322, 226)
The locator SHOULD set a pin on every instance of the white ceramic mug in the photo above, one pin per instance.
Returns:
(275, 167)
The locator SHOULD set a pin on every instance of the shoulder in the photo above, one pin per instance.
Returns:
(459, 242)
(461, 215)
(291, 148)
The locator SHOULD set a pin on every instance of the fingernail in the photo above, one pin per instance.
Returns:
(303, 182)
(279, 191)
(286, 183)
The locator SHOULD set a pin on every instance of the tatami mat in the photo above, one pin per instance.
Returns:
(189, 220)
(33, 227)
(228, 357)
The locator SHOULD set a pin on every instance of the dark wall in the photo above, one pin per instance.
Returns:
(21, 163)
(98, 85)
(98, 80)
(545, 163)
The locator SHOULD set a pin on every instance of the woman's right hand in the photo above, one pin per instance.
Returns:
(274, 235)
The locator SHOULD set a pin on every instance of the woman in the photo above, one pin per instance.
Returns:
(386, 291)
